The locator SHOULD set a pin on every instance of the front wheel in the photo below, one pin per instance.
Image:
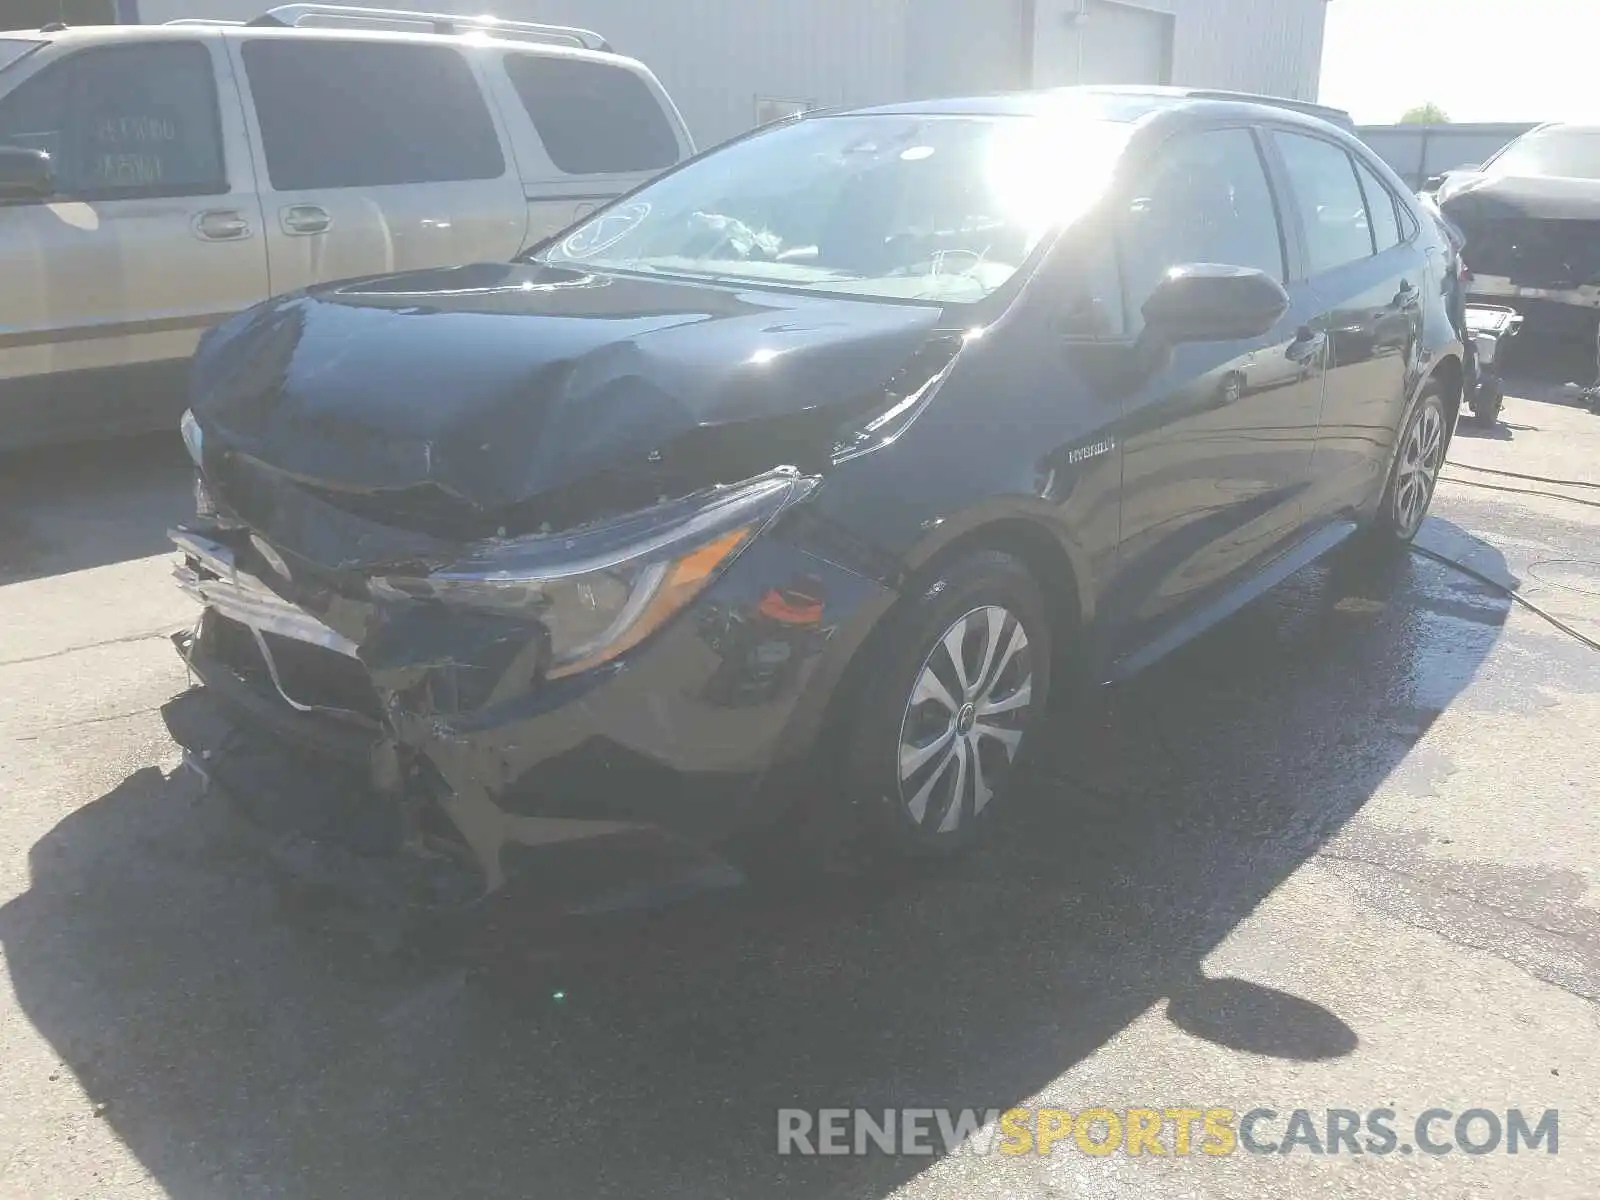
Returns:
(963, 678)
(1416, 471)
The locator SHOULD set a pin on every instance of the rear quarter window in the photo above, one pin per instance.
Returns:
(593, 118)
(1385, 221)
(336, 114)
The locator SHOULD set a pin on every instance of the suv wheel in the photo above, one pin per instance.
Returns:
(963, 678)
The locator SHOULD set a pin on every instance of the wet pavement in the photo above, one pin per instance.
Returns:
(1341, 853)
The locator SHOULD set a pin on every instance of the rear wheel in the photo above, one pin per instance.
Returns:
(1415, 473)
(963, 678)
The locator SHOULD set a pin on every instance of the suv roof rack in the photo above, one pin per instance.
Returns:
(291, 16)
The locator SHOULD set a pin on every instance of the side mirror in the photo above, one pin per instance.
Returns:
(1208, 302)
(26, 174)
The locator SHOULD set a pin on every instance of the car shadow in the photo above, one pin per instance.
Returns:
(241, 1046)
(1542, 368)
(72, 507)
(1500, 431)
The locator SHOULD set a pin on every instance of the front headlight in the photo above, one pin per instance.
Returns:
(600, 592)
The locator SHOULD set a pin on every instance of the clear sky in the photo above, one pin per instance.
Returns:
(1480, 60)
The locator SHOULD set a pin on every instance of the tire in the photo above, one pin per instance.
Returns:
(1487, 404)
(1423, 443)
(920, 756)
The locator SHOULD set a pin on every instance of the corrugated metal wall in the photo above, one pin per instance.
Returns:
(1268, 46)
(963, 47)
(1271, 46)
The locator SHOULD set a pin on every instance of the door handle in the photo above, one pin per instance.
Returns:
(1407, 296)
(221, 225)
(1306, 347)
(302, 220)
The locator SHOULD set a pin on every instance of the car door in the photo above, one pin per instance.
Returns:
(1370, 283)
(375, 156)
(1217, 436)
(152, 235)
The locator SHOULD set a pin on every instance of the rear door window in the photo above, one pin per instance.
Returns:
(593, 118)
(1333, 210)
(1207, 200)
(124, 121)
(1380, 208)
(336, 114)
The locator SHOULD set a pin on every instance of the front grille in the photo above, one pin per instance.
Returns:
(1533, 253)
(310, 674)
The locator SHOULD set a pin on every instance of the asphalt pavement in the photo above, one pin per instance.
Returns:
(1342, 853)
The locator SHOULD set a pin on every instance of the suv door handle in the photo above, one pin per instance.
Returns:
(221, 225)
(302, 220)
(1306, 347)
(1407, 296)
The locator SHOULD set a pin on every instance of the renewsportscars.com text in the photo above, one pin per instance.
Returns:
(1167, 1131)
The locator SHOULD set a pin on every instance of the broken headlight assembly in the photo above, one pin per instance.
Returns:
(597, 593)
(205, 508)
(193, 437)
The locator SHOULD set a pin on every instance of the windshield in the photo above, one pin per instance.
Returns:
(1569, 153)
(887, 206)
(11, 49)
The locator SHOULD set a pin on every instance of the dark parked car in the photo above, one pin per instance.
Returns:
(1531, 219)
(824, 452)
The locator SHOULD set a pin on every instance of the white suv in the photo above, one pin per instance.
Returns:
(197, 168)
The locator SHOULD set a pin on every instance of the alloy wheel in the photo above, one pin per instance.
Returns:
(1420, 460)
(964, 722)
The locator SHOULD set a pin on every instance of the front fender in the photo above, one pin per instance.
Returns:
(1011, 520)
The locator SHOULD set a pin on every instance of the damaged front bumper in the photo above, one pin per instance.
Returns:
(364, 734)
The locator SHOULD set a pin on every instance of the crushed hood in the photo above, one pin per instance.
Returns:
(483, 387)
(1471, 195)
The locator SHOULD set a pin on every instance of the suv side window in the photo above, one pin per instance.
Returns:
(1380, 208)
(1206, 200)
(123, 122)
(337, 114)
(594, 119)
(1333, 211)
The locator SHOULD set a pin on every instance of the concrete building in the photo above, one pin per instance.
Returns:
(732, 63)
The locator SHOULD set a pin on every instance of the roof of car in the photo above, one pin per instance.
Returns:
(1109, 103)
(190, 30)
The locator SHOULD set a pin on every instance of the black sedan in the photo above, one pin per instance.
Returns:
(819, 458)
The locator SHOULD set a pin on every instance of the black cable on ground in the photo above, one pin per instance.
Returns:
(1584, 483)
(1517, 597)
(1517, 491)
